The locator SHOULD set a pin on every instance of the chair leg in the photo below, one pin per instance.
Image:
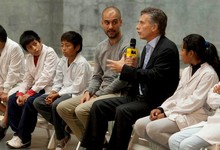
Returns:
(48, 133)
(213, 147)
(78, 145)
(133, 141)
(52, 141)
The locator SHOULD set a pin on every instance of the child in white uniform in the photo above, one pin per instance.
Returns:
(73, 74)
(11, 74)
(41, 64)
(203, 134)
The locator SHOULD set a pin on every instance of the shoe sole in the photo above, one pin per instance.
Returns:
(23, 146)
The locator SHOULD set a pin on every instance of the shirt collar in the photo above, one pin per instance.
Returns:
(154, 42)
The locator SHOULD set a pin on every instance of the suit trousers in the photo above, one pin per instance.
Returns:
(50, 114)
(23, 119)
(124, 110)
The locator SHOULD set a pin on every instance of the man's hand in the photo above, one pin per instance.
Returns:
(131, 61)
(116, 65)
(86, 97)
(94, 96)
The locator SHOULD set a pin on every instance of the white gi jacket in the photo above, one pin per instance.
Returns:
(186, 105)
(41, 76)
(72, 79)
(11, 66)
(210, 131)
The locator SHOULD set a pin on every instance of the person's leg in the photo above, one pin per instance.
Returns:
(160, 130)
(59, 125)
(193, 143)
(24, 123)
(140, 127)
(42, 108)
(66, 110)
(181, 139)
(4, 122)
(125, 117)
(5, 118)
(2, 107)
(14, 113)
(28, 119)
(82, 110)
(100, 113)
(58, 122)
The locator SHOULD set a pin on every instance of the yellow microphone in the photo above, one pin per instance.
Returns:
(132, 51)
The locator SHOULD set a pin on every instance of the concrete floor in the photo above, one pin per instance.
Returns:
(39, 140)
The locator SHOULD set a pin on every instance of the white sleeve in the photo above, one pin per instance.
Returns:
(48, 71)
(16, 67)
(27, 80)
(58, 79)
(213, 99)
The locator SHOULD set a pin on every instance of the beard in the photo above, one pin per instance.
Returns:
(112, 34)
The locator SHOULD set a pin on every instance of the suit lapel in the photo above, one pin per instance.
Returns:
(143, 56)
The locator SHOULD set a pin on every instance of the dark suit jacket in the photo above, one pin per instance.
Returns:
(160, 78)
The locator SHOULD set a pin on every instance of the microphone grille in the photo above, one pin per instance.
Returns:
(133, 43)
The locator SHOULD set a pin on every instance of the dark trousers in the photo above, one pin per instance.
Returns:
(22, 119)
(49, 112)
(124, 110)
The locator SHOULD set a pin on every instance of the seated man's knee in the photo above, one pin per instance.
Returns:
(83, 109)
(96, 105)
(79, 111)
(61, 108)
(124, 113)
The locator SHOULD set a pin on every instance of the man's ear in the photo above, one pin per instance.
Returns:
(154, 27)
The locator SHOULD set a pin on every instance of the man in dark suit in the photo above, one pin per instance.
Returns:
(153, 81)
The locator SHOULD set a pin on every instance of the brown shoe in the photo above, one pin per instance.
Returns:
(61, 144)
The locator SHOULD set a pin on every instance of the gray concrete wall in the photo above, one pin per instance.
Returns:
(50, 18)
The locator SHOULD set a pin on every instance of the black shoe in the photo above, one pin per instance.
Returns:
(3, 132)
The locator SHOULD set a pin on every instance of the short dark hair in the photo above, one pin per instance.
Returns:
(157, 16)
(74, 38)
(3, 34)
(27, 37)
